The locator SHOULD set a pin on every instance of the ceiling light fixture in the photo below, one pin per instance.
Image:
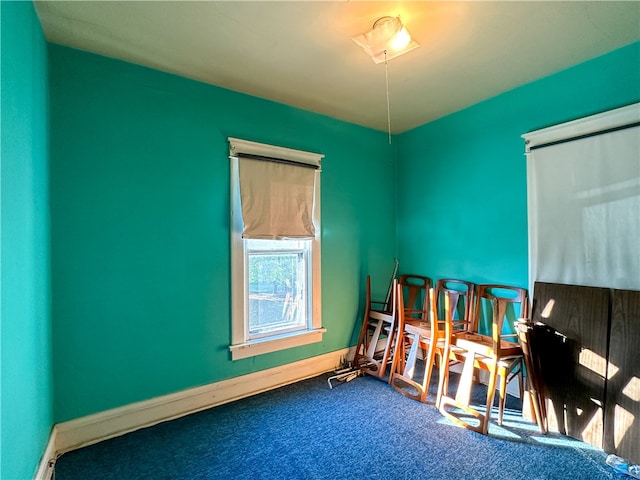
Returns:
(386, 40)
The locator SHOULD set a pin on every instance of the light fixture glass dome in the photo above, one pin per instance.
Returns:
(387, 35)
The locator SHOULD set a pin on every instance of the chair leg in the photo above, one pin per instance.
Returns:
(428, 367)
(387, 355)
(491, 390)
(504, 380)
(521, 381)
(503, 397)
(520, 386)
(398, 361)
(443, 381)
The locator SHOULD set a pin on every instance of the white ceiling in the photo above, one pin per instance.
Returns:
(301, 53)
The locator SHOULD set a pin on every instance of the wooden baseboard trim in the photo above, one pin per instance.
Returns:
(94, 428)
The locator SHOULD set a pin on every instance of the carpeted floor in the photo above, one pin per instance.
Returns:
(358, 430)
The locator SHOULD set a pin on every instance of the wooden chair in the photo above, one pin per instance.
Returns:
(377, 334)
(414, 334)
(415, 289)
(415, 292)
(451, 298)
(461, 295)
(499, 353)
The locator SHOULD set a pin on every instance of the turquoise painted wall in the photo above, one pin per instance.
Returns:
(462, 196)
(140, 227)
(26, 382)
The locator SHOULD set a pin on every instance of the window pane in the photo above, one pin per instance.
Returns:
(277, 286)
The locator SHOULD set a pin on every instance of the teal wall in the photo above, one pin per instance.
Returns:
(462, 188)
(140, 227)
(26, 381)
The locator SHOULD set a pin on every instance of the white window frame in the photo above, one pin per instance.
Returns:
(242, 346)
(305, 250)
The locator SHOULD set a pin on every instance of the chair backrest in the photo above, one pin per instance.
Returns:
(497, 304)
(461, 299)
(439, 314)
(398, 301)
(415, 291)
(445, 309)
(390, 312)
(388, 305)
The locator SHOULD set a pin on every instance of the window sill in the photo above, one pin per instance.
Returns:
(275, 343)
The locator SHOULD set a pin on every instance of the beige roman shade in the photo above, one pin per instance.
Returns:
(276, 198)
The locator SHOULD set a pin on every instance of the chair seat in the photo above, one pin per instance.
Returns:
(418, 327)
(483, 345)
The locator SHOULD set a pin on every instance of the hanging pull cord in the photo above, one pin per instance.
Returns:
(386, 76)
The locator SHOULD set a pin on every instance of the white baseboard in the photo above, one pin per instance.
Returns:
(48, 460)
(94, 428)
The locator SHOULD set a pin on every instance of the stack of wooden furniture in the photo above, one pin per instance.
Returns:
(422, 323)
(579, 349)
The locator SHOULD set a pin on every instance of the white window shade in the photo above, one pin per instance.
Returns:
(583, 182)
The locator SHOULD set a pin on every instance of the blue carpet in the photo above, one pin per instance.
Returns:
(358, 430)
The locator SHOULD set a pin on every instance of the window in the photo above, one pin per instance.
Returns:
(278, 286)
(275, 243)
